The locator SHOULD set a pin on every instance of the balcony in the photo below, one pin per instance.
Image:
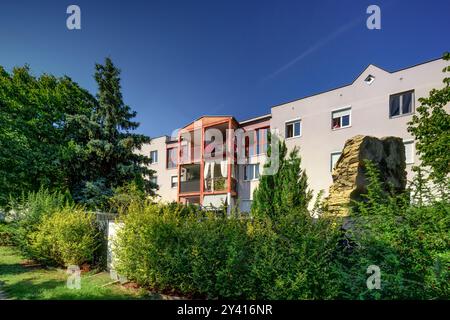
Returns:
(190, 178)
(191, 186)
(219, 184)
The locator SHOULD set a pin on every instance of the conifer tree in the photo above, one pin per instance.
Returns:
(286, 189)
(110, 159)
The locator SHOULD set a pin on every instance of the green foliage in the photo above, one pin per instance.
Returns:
(125, 196)
(286, 189)
(109, 159)
(6, 234)
(36, 131)
(67, 237)
(431, 126)
(55, 134)
(409, 243)
(27, 212)
(177, 249)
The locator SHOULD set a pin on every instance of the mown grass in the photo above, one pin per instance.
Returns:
(31, 283)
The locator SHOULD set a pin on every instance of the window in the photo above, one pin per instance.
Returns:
(174, 181)
(172, 157)
(154, 156)
(401, 103)
(251, 172)
(334, 159)
(293, 129)
(370, 78)
(409, 152)
(154, 180)
(341, 118)
(263, 140)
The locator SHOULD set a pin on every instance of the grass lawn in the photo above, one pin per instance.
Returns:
(19, 282)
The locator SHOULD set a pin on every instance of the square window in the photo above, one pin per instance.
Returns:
(341, 118)
(293, 129)
(251, 172)
(401, 104)
(154, 180)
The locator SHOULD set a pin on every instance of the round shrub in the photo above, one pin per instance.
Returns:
(67, 237)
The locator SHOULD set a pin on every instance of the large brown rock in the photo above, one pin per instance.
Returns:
(349, 174)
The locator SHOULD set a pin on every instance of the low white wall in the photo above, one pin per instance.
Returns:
(113, 227)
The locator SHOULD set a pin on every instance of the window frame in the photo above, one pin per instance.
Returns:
(331, 159)
(292, 122)
(349, 118)
(259, 145)
(172, 183)
(401, 94)
(152, 159)
(255, 170)
(168, 158)
(413, 150)
(156, 179)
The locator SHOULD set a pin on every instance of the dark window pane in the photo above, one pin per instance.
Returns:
(346, 120)
(256, 171)
(297, 128)
(394, 106)
(407, 103)
(336, 123)
(289, 130)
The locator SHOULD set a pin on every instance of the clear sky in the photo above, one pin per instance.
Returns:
(183, 59)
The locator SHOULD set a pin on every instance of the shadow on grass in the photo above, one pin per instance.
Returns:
(11, 269)
(57, 290)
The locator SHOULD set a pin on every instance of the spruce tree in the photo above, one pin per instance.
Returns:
(285, 190)
(110, 159)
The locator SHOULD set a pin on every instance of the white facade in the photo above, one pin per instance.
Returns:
(369, 106)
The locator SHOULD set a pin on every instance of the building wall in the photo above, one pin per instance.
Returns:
(370, 115)
(166, 192)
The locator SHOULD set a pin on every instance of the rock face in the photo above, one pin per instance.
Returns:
(349, 174)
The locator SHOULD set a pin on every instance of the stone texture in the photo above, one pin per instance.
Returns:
(349, 175)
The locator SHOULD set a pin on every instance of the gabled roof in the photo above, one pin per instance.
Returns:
(350, 84)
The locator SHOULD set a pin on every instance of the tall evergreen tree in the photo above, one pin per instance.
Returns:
(286, 189)
(109, 159)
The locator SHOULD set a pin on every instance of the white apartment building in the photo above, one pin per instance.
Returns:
(378, 103)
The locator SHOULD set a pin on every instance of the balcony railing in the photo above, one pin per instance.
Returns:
(190, 186)
(219, 184)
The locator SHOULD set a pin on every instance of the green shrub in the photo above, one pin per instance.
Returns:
(67, 237)
(6, 234)
(27, 212)
(293, 257)
(177, 249)
(408, 242)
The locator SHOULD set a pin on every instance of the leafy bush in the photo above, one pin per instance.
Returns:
(408, 242)
(27, 212)
(67, 237)
(177, 249)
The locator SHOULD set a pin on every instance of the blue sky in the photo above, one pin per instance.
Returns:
(184, 59)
